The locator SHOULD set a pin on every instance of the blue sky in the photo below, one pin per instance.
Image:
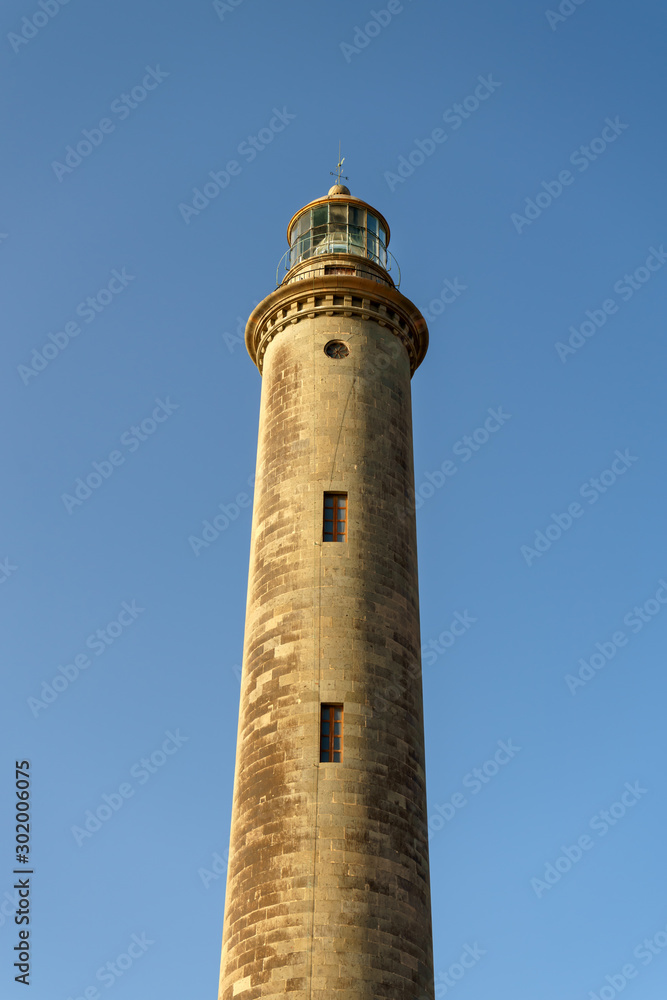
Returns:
(535, 217)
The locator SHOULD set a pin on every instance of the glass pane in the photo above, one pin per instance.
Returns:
(325, 713)
(356, 236)
(341, 538)
(337, 726)
(336, 758)
(328, 501)
(338, 214)
(338, 713)
(381, 249)
(342, 501)
(325, 728)
(341, 525)
(357, 216)
(372, 223)
(320, 241)
(324, 757)
(338, 240)
(320, 215)
(372, 247)
(324, 743)
(336, 742)
(328, 537)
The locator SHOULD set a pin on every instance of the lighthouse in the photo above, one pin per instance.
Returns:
(328, 891)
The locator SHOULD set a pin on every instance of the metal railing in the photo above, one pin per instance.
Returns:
(338, 243)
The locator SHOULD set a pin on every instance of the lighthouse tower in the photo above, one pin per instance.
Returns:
(328, 881)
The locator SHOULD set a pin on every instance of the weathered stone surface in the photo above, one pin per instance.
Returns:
(328, 883)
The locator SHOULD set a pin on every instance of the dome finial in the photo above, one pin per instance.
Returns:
(339, 188)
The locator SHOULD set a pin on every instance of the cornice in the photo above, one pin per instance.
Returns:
(337, 295)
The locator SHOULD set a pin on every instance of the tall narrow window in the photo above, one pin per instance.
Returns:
(335, 517)
(331, 734)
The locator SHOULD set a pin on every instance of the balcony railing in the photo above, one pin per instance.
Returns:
(343, 242)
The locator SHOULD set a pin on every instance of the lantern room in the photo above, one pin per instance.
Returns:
(337, 224)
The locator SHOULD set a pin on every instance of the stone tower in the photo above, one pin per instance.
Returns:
(328, 883)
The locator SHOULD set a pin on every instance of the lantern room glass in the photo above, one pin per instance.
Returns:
(338, 228)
